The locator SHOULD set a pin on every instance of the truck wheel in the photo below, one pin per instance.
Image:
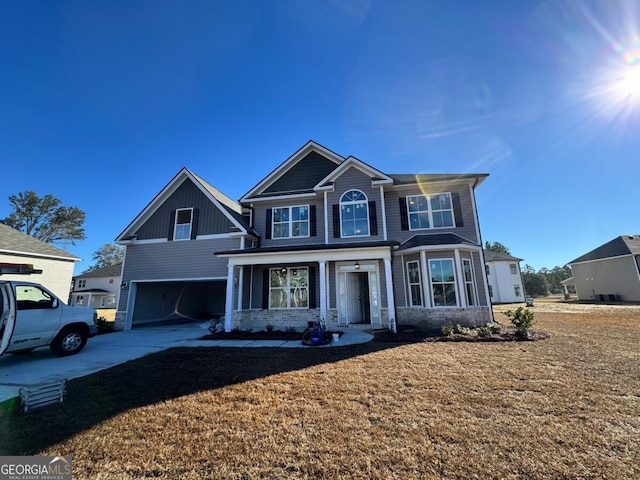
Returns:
(68, 342)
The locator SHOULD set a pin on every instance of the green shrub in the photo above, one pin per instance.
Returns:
(461, 330)
(484, 331)
(270, 327)
(522, 319)
(447, 330)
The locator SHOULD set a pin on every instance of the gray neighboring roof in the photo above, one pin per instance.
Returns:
(13, 241)
(490, 256)
(622, 245)
(434, 240)
(110, 271)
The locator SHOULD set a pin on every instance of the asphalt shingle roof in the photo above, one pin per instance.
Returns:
(110, 271)
(14, 241)
(622, 245)
(490, 256)
(435, 239)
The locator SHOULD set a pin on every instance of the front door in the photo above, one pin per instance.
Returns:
(358, 295)
(7, 316)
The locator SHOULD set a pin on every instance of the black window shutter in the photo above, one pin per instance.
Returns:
(404, 214)
(172, 222)
(457, 209)
(265, 289)
(336, 221)
(312, 287)
(267, 233)
(312, 221)
(373, 218)
(194, 223)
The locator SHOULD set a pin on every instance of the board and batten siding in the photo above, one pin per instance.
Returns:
(354, 179)
(304, 175)
(210, 219)
(180, 260)
(394, 225)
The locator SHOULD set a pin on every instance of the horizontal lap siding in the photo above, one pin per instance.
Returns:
(260, 222)
(175, 260)
(394, 227)
(354, 179)
(210, 221)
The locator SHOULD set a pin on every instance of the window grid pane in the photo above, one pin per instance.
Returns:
(443, 283)
(430, 211)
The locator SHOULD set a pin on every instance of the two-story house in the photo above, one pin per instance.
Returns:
(97, 288)
(321, 237)
(504, 277)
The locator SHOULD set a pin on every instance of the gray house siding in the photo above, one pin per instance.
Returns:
(189, 259)
(612, 276)
(304, 175)
(262, 211)
(210, 219)
(354, 179)
(394, 223)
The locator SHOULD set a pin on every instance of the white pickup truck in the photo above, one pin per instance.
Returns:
(31, 316)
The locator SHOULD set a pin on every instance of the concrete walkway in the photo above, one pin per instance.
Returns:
(105, 351)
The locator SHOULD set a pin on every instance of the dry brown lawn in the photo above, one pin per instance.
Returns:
(565, 407)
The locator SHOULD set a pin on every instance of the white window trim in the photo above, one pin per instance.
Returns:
(472, 282)
(454, 282)
(430, 211)
(419, 284)
(366, 206)
(288, 289)
(290, 222)
(175, 224)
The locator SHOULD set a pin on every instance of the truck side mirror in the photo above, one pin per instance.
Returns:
(54, 303)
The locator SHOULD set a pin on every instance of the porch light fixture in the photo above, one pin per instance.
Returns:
(357, 266)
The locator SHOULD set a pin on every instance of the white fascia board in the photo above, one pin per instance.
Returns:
(601, 259)
(433, 248)
(412, 186)
(39, 255)
(288, 163)
(282, 197)
(354, 162)
(308, 256)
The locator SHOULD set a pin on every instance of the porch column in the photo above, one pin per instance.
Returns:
(391, 304)
(426, 280)
(228, 306)
(323, 289)
(240, 287)
(460, 284)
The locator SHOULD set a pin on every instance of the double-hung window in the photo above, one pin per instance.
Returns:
(289, 288)
(182, 228)
(430, 211)
(513, 268)
(415, 285)
(354, 214)
(443, 283)
(469, 286)
(290, 222)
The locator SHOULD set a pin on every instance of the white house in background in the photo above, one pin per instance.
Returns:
(56, 264)
(609, 272)
(504, 277)
(97, 289)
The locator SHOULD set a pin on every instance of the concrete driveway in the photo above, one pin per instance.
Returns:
(105, 351)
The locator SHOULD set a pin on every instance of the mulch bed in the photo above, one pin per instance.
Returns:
(414, 336)
(260, 335)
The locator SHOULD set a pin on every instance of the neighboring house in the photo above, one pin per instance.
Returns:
(56, 264)
(504, 277)
(609, 272)
(321, 237)
(98, 288)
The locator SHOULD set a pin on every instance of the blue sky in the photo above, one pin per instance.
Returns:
(103, 102)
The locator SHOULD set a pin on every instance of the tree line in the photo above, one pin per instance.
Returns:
(545, 281)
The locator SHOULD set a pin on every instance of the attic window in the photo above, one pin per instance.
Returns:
(182, 230)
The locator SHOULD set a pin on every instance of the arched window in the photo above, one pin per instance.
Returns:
(354, 214)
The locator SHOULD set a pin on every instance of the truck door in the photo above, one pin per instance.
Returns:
(7, 316)
(37, 317)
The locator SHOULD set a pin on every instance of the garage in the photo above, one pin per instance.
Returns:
(161, 302)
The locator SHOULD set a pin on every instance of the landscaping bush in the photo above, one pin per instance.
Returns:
(522, 319)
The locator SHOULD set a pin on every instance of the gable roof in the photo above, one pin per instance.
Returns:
(411, 178)
(376, 175)
(491, 256)
(231, 209)
(622, 245)
(15, 242)
(305, 183)
(109, 271)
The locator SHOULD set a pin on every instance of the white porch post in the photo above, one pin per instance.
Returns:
(228, 306)
(391, 304)
(240, 287)
(460, 284)
(426, 280)
(323, 289)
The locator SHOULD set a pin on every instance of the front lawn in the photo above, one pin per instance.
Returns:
(565, 407)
